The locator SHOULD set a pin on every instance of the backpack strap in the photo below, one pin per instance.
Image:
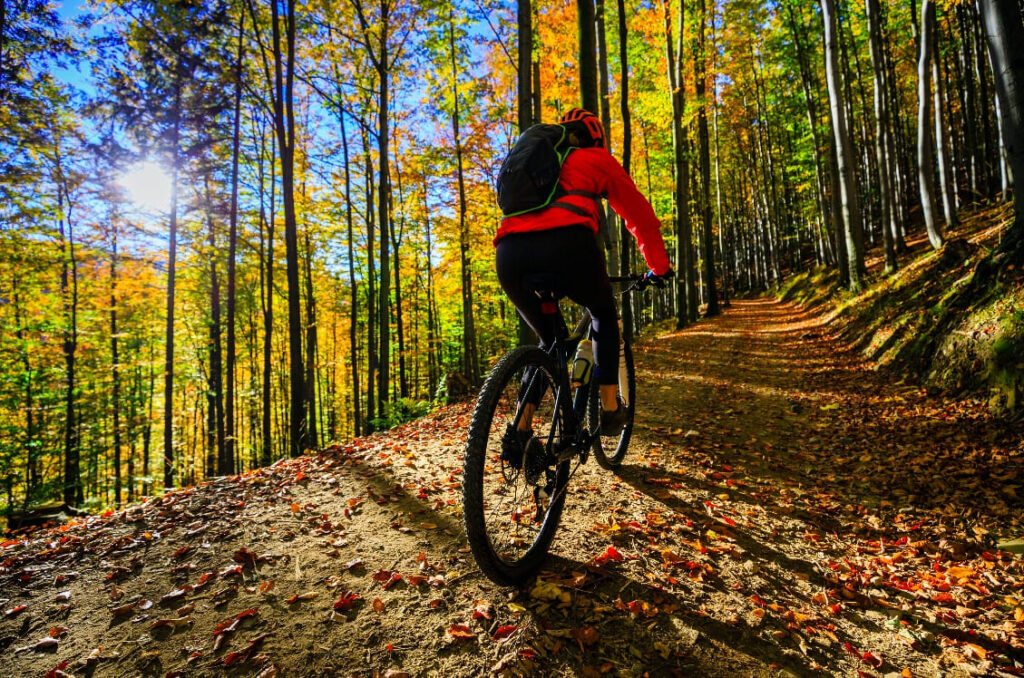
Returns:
(575, 209)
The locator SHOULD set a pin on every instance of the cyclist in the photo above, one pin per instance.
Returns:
(559, 244)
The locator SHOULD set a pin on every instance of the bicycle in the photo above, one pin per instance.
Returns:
(510, 539)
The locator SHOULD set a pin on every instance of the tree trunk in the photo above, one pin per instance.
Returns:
(267, 303)
(705, 163)
(215, 384)
(851, 218)
(69, 295)
(396, 243)
(115, 367)
(684, 263)
(587, 41)
(881, 124)
(312, 353)
(229, 442)
(284, 126)
(384, 213)
(627, 151)
(1005, 35)
(925, 152)
(524, 94)
(942, 139)
(470, 362)
(353, 337)
(172, 254)
(525, 119)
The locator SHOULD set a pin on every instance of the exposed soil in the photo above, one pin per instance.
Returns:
(784, 510)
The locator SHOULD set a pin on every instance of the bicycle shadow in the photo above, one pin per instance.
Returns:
(698, 643)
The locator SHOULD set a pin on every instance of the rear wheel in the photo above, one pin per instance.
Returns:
(609, 451)
(513, 488)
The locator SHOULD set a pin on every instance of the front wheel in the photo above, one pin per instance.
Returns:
(609, 451)
(513, 489)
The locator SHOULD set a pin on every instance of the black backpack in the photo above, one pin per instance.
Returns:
(528, 179)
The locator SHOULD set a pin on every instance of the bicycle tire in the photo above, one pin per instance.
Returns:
(620, 445)
(504, 378)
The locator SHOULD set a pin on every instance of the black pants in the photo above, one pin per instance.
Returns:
(571, 262)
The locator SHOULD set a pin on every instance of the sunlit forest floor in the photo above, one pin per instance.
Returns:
(786, 509)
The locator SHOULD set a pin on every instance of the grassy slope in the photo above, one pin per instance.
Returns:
(952, 319)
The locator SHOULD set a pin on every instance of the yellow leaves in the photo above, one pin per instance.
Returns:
(959, 572)
(549, 591)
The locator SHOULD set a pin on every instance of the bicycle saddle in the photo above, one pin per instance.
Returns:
(544, 285)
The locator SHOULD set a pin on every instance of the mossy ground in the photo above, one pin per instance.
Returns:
(952, 319)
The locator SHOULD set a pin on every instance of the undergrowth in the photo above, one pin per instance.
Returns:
(952, 320)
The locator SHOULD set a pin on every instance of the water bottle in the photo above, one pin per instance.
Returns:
(583, 363)
(624, 392)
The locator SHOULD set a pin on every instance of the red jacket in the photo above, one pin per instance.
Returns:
(597, 172)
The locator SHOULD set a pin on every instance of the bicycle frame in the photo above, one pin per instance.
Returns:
(564, 346)
(561, 350)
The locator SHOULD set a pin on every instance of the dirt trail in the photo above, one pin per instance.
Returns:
(784, 510)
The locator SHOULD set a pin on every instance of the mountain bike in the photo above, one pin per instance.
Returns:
(514, 485)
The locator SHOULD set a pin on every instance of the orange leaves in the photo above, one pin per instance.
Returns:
(611, 554)
(505, 631)
(387, 578)
(298, 597)
(461, 633)
(230, 625)
(346, 602)
(15, 611)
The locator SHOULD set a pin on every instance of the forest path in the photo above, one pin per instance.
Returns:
(784, 510)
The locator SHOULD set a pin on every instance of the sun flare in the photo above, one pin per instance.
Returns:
(148, 187)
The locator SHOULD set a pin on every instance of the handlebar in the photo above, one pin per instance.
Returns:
(639, 281)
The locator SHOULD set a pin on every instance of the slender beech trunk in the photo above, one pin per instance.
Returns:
(215, 383)
(684, 263)
(881, 124)
(609, 233)
(397, 235)
(229, 441)
(587, 42)
(284, 127)
(147, 430)
(115, 367)
(433, 359)
(353, 338)
(627, 151)
(172, 255)
(267, 304)
(942, 152)
(470, 361)
(705, 163)
(371, 277)
(851, 218)
(925, 152)
(312, 352)
(525, 119)
(69, 294)
(524, 93)
(1005, 35)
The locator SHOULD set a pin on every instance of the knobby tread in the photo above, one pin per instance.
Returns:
(472, 478)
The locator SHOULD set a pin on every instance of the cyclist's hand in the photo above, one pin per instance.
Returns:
(659, 281)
